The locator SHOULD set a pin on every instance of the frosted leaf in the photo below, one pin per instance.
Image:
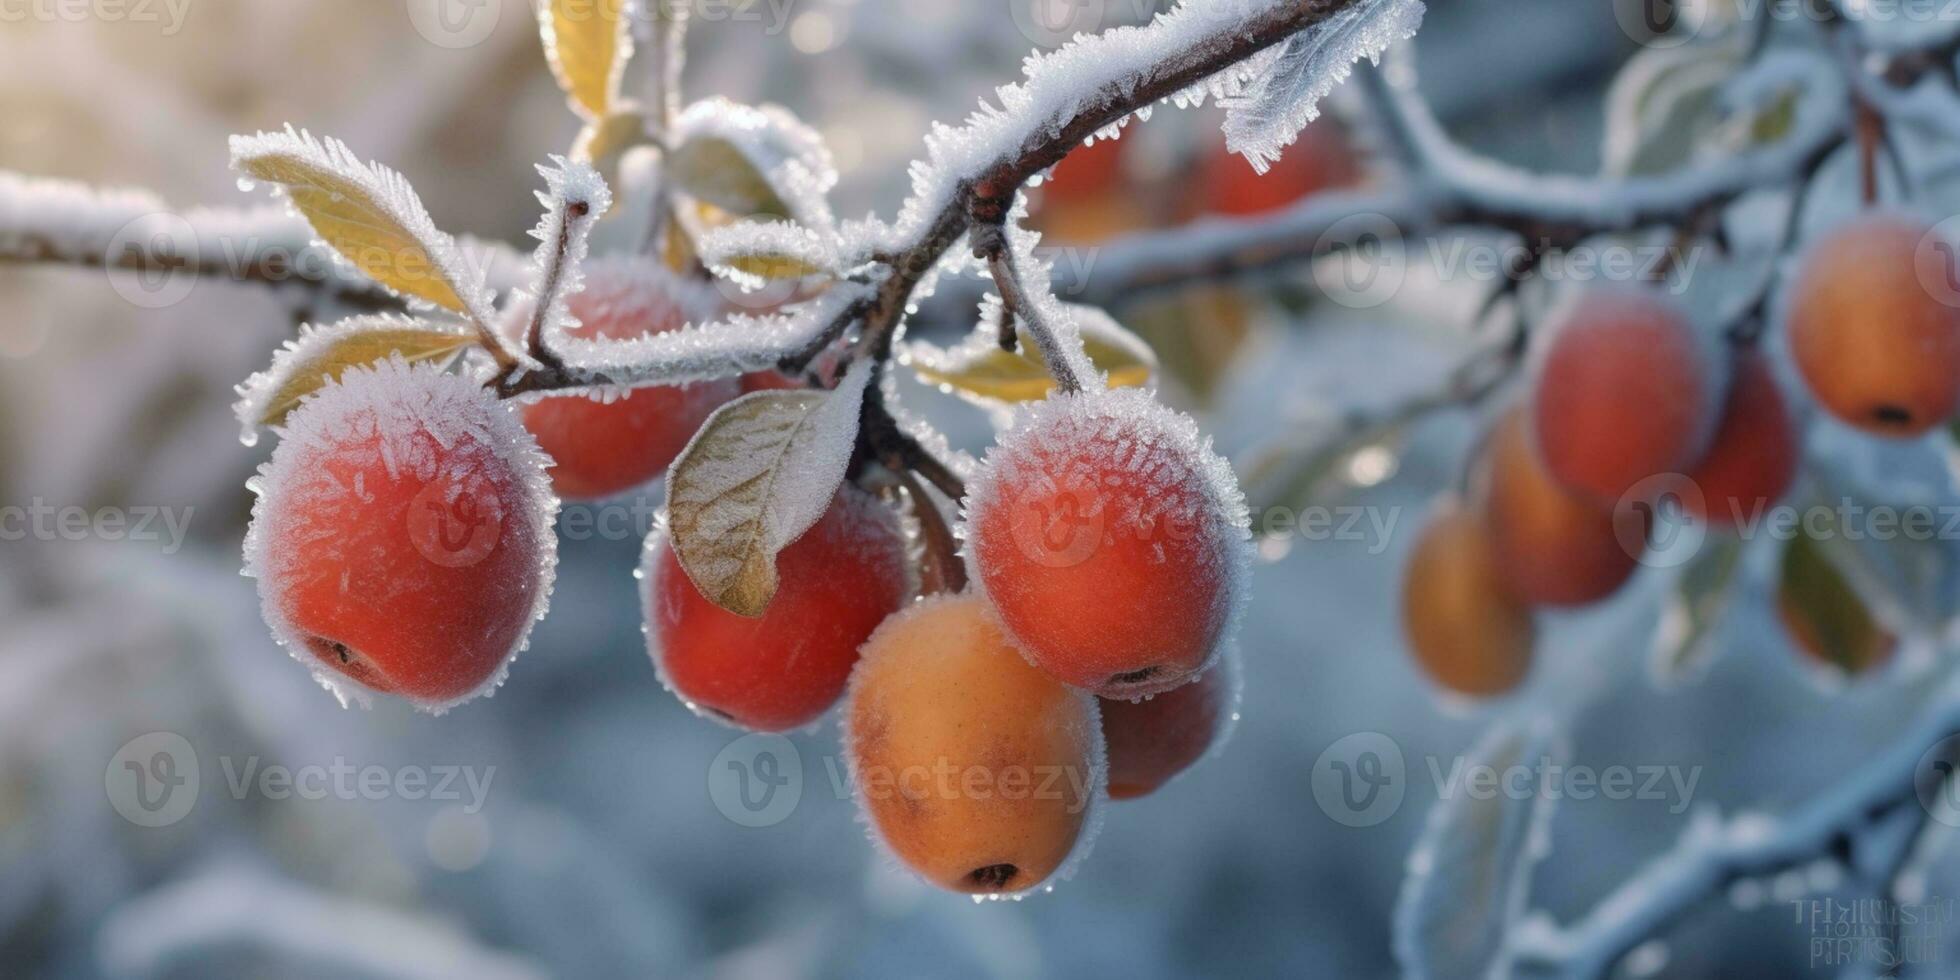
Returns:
(739, 344)
(760, 472)
(588, 46)
(753, 253)
(1469, 875)
(322, 353)
(1060, 318)
(1287, 82)
(754, 160)
(1684, 640)
(576, 197)
(351, 466)
(979, 369)
(369, 215)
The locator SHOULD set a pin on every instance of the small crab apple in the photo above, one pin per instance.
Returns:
(1469, 631)
(780, 671)
(402, 534)
(1111, 540)
(978, 771)
(1554, 547)
(1874, 324)
(1626, 390)
(601, 448)
(1152, 740)
(1753, 457)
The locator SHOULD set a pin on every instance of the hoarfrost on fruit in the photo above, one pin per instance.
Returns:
(1111, 540)
(403, 527)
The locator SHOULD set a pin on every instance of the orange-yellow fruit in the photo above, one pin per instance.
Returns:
(1467, 629)
(1153, 740)
(1626, 391)
(784, 669)
(977, 770)
(604, 448)
(402, 536)
(1753, 457)
(1111, 540)
(1872, 327)
(1554, 547)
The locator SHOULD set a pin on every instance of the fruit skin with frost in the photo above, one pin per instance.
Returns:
(979, 772)
(1554, 547)
(1626, 390)
(602, 448)
(783, 670)
(1868, 327)
(1111, 541)
(402, 535)
(1152, 741)
(1469, 632)
(1752, 460)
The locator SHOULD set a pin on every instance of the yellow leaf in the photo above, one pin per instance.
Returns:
(771, 266)
(718, 172)
(981, 369)
(588, 45)
(321, 354)
(368, 214)
(761, 471)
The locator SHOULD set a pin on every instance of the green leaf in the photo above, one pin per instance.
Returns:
(1703, 591)
(1823, 613)
(718, 172)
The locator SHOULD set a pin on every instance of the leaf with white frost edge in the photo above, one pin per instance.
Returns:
(980, 369)
(321, 354)
(1470, 873)
(1284, 84)
(755, 253)
(367, 213)
(1703, 588)
(588, 46)
(760, 472)
(754, 161)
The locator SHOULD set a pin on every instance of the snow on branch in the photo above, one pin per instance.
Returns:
(1714, 852)
(59, 222)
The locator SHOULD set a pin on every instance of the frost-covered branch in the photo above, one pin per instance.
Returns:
(65, 223)
(1715, 852)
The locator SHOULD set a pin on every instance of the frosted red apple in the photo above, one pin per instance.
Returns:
(1151, 741)
(1111, 541)
(783, 670)
(604, 448)
(402, 535)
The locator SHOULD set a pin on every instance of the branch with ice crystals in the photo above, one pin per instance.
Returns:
(1714, 852)
(575, 198)
(738, 345)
